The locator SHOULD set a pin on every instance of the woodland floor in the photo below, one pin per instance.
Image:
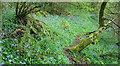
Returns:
(75, 24)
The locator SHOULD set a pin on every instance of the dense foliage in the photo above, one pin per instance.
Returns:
(61, 31)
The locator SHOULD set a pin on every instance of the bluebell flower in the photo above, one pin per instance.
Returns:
(5, 29)
(2, 63)
(1, 42)
(47, 62)
(10, 30)
(25, 59)
(18, 53)
(16, 33)
(68, 63)
(17, 56)
(3, 34)
(11, 56)
(90, 51)
(12, 45)
(27, 51)
(15, 44)
(15, 39)
(36, 35)
(47, 49)
(44, 60)
(16, 25)
(51, 58)
(8, 56)
(26, 46)
(38, 51)
(49, 45)
(33, 45)
(63, 50)
(10, 60)
(24, 63)
(11, 20)
(44, 36)
(17, 50)
(1, 54)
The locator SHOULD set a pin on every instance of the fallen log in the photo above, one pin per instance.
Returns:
(84, 42)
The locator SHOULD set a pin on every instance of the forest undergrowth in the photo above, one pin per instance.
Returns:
(50, 51)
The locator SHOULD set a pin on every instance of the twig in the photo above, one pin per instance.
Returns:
(113, 22)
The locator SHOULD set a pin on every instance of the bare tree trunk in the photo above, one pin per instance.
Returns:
(101, 13)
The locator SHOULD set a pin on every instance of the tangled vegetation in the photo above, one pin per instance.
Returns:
(39, 33)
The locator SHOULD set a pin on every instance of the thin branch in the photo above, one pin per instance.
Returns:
(109, 16)
(111, 11)
(113, 22)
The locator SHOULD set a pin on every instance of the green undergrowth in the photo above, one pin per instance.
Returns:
(46, 51)
(106, 46)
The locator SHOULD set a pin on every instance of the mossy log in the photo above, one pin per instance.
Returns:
(87, 41)
(92, 35)
(81, 44)
(84, 42)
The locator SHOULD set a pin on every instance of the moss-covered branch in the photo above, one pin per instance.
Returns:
(84, 42)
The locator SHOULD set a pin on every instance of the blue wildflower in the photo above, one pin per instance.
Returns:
(17, 50)
(2, 63)
(1, 42)
(17, 56)
(26, 46)
(27, 51)
(11, 56)
(8, 56)
(5, 29)
(16, 25)
(12, 45)
(90, 51)
(15, 39)
(18, 53)
(10, 60)
(15, 44)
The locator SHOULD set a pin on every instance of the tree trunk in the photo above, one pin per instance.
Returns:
(101, 13)
(93, 36)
